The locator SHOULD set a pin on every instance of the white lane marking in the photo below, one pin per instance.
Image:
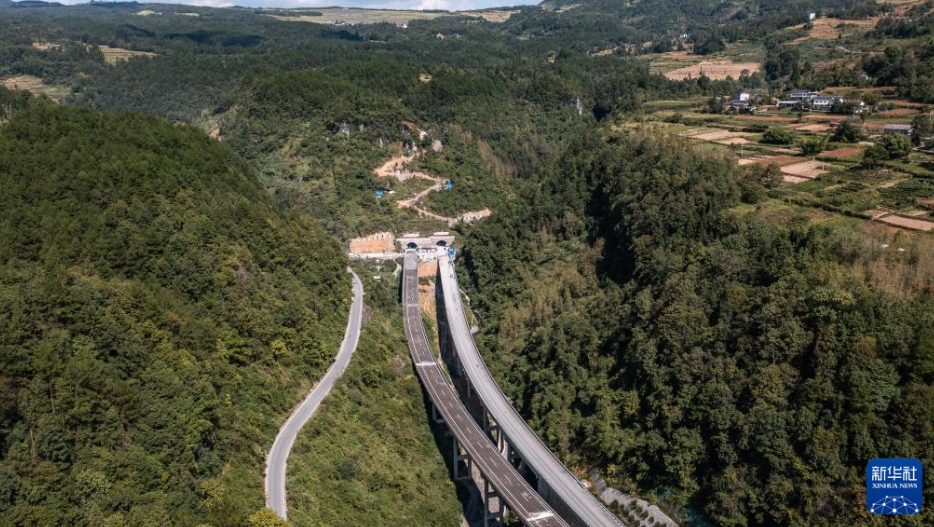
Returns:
(493, 464)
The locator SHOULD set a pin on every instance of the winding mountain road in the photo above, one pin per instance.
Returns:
(282, 446)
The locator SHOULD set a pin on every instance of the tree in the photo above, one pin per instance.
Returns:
(715, 105)
(871, 98)
(768, 176)
(897, 146)
(922, 127)
(849, 131)
(845, 107)
(892, 146)
(814, 145)
(778, 135)
(874, 156)
(265, 518)
(709, 43)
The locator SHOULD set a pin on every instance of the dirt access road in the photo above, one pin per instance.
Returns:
(397, 167)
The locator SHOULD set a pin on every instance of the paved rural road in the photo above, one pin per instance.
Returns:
(532, 450)
(523, 500)
(279, 454)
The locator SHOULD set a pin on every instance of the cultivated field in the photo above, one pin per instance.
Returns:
(36, 86)
(779, 161)
(492, 15)
(114, 55)
(830, 28)
(715, 70)
(111, 55)
(353, 16)
(914, 224)
(805, 170)
(813, 128)
(841, 153)
(664, 62)
(835, 186)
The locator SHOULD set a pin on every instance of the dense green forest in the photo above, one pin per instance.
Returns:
(157, 313)
(503, 93)
(730, 18)
(649, 328)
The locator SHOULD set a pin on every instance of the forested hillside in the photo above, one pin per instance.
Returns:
(487, 92)
(747, 18)
(647, 327)
(157, 313)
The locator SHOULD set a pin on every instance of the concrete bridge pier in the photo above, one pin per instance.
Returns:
(494, 508)
(460, 456)
(435, 416)
(446, 342)
(493, 430)
(489, 425)
(502, 444)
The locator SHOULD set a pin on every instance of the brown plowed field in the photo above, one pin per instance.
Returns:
(35, 85)
(826, 28)
(717, 135)
(779, 160)
(794, 179)
(808, 169)
(734, 141)
(908, 223)
(898, 112)
(715, 70)
(428, 269)
(426, 297)
(813, 128)
(850, 151)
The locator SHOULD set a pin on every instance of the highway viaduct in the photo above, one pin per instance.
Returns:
(472, 446)
(564, 492)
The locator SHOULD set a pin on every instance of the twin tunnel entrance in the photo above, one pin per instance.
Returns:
(425, 243)
(413, 245)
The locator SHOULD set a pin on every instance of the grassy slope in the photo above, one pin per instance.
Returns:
(369, 449)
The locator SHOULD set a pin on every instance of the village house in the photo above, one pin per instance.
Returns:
(904, 129)
(824, 103)
(802, 95)
(744, 102)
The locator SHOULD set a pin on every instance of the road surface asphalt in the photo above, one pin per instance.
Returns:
(517, 493)
(282, 446)
(532, 450)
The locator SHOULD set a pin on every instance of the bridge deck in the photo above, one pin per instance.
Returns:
(512, 488)
(534, 452)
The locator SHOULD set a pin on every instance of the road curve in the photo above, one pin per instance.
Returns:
(279, 453)
(533, 451)
(517, 493)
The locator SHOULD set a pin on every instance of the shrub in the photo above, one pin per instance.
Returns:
(778, 136)
(812, 146)
(849, 131)
(893, 146)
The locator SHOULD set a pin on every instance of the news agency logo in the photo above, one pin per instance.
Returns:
(893, 486)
